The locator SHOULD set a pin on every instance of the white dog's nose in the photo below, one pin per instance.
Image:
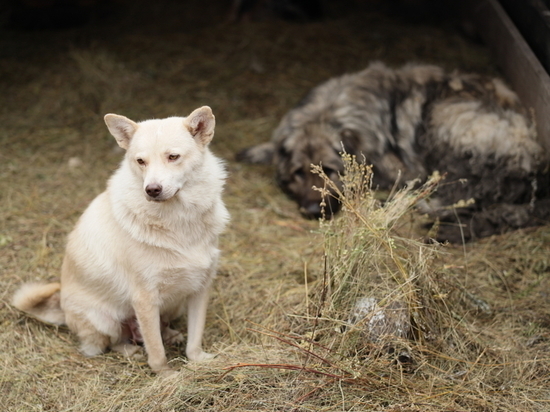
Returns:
(153, 189)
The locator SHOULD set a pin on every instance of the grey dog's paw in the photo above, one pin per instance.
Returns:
(260, 154)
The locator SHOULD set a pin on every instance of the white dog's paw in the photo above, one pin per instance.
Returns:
(90, 350)
(199, 355)
(127, 349)
(172, 337)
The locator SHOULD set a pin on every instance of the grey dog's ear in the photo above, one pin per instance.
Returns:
(201, 123)
(121, 128)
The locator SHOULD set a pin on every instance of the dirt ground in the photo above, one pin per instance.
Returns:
(158, 59)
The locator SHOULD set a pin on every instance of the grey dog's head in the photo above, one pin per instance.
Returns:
(313, 144)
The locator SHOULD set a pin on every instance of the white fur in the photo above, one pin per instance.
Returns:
(467, 128)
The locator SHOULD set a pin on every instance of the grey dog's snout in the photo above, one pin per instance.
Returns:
(153, 190)
(312, 210)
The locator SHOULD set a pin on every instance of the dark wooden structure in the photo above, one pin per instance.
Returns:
(513, 54)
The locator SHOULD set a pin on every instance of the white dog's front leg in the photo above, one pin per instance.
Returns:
(196, 318)
(148, 316)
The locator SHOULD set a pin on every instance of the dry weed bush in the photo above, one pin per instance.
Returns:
(390, 319)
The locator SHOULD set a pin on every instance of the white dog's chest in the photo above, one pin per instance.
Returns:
(183, 280)
(181, 273)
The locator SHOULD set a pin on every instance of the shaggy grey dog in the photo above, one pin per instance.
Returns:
(408, 123)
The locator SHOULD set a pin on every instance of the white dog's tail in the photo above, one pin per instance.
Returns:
(41, 301)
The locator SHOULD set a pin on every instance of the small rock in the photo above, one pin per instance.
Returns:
(393, 319)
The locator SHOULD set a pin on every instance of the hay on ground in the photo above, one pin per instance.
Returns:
(297, 312)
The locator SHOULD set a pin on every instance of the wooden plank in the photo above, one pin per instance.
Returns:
(517, 61)
(532, 19)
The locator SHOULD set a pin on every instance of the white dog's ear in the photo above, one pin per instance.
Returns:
(121, 128)
(201, 124)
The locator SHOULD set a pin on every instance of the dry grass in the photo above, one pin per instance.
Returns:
(280, 309)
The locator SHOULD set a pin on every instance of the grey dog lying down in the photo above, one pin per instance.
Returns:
(408, 123)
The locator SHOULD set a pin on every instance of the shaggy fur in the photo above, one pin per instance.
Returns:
(408, 123)
(145, 246)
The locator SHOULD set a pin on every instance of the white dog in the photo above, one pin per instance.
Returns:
(145, 246)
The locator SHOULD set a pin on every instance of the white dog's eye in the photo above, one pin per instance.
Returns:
(140, 161)
(173, 157)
